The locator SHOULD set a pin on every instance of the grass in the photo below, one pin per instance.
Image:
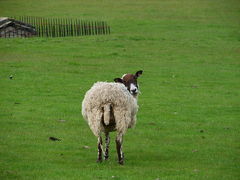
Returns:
(188, 122)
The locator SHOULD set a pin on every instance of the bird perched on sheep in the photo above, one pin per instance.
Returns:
(112, 106)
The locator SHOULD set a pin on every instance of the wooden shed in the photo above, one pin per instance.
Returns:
(10, 28)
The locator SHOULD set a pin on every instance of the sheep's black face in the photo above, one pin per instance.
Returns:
(130, 81)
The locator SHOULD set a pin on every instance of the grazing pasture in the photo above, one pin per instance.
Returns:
(188, 122)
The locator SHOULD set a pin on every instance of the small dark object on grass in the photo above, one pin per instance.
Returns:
(54, 139)
(152, 124)
(11, 77)
(201, 131)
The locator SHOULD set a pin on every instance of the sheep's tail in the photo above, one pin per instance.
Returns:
(107, 111)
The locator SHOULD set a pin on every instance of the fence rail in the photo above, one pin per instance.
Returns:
(61, 27)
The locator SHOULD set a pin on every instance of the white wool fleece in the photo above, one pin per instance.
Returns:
(124, 106)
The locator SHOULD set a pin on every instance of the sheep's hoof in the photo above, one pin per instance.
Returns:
(106, 157)
(121, 162)
(99, 160)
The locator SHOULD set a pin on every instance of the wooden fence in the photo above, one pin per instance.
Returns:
(60, 27)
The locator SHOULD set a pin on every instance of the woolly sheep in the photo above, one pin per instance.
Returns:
(111, 106)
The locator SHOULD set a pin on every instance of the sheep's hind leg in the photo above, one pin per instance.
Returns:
(119, 141)
(107, 141)
(100, 149)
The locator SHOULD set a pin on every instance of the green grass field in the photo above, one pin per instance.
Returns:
(188, 121)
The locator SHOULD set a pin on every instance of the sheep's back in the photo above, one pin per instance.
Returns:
(103, 92)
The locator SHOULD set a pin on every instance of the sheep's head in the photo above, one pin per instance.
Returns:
(130, 81)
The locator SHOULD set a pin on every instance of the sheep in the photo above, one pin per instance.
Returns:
(112, 106)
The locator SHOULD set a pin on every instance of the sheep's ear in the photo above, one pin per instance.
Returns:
(139, 73)
(118, 80)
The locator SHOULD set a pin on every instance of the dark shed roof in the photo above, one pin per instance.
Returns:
(6, 22)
